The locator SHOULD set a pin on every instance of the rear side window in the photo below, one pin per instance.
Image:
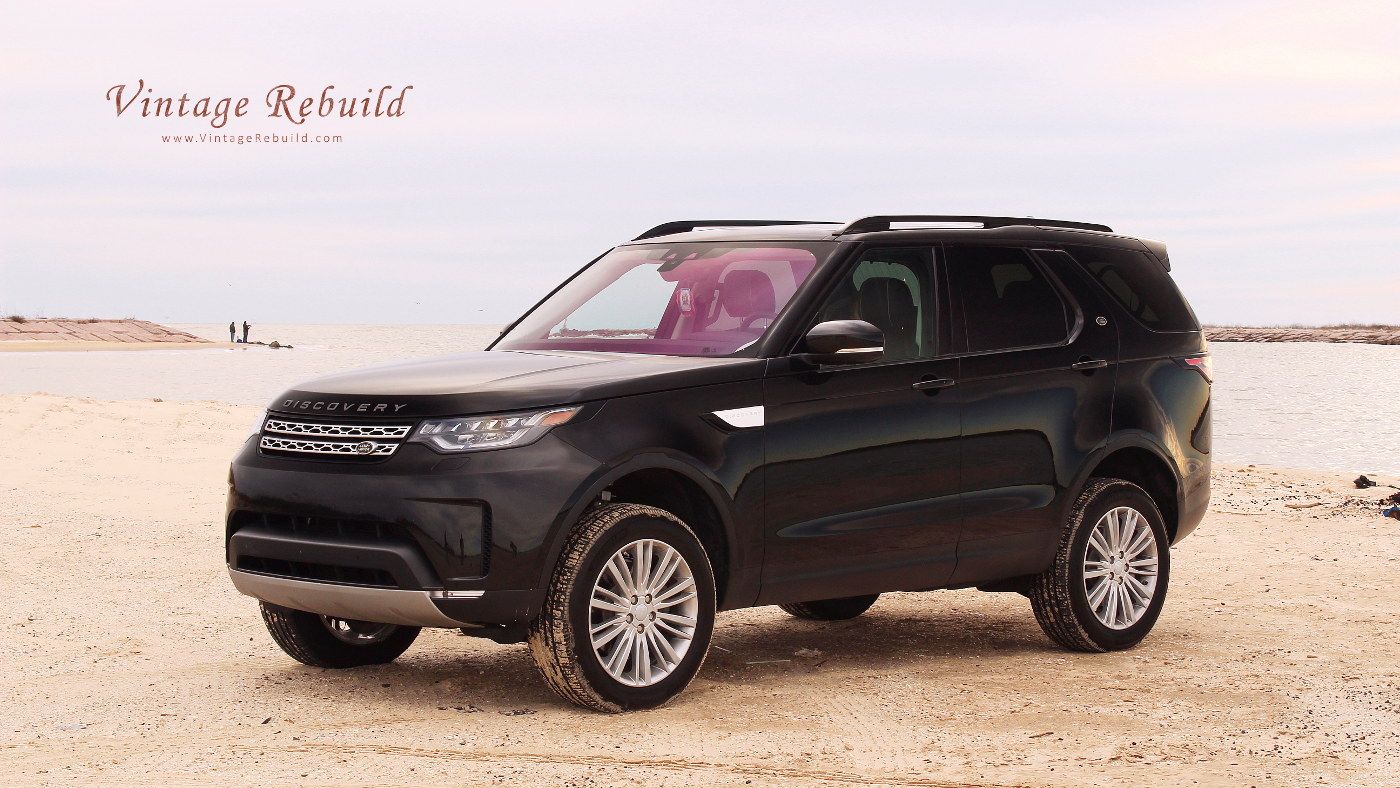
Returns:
(1007, 300)
(1140, 284)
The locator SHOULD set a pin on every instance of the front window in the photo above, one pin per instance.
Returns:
(892, 290)
(685, 299)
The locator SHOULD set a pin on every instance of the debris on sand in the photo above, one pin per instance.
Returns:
(1362, 483)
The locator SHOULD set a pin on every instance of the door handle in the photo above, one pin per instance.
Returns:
(1089, 363)
(935, 383)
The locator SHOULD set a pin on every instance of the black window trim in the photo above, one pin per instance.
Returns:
(1076, 326)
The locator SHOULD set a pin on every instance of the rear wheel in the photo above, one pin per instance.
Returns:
(1109, 580)
(629, 611)
(837, 609)
(329, 642)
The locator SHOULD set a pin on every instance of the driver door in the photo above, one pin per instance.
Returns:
(862, 460)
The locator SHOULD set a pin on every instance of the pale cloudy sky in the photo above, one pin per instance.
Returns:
(1259, 140)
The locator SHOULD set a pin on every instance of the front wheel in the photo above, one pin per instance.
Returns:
(329, 642)
(1109, 580)
(629, 611)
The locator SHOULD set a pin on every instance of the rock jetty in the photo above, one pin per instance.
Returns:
(61, 330)
(1371, 335)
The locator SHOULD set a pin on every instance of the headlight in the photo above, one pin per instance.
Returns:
(477, 433)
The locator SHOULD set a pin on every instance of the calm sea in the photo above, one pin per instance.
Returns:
(1301, 405)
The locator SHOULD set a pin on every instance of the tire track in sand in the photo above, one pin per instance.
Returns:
(674, 765)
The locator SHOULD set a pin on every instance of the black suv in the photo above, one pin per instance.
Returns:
(722, 414)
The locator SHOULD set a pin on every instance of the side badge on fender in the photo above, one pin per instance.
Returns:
(742, 418)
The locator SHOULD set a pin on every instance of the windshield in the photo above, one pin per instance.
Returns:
(685, 299)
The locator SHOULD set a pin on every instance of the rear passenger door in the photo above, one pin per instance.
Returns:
(1038, 359)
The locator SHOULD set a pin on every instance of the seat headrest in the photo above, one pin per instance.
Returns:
(746, 292)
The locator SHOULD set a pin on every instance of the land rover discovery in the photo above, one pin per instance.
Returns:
(723, 414)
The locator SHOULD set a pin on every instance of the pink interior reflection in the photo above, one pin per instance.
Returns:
(684, 299)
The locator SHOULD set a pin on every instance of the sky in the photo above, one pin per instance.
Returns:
(1259, 140)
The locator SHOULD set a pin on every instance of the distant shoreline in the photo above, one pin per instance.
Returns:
(40, 334)
(1368, 335)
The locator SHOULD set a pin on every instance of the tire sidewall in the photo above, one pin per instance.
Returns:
(1111, 497)
(624, 532)
(305, 637)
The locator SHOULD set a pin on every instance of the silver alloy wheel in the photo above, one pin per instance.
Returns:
(357, 633)
(643, 612)
(1120, 567)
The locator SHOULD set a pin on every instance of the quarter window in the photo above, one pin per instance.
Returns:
(1008, 301)
(1140, 284)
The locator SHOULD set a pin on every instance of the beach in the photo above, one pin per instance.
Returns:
(131, 660)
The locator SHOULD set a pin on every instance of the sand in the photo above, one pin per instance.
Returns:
(129, 659)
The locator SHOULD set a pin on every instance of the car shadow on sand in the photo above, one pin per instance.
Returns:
(760, 647)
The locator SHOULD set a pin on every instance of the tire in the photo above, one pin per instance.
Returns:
(327, 642)
(1101, 594)
(838, 609)
(644, 654)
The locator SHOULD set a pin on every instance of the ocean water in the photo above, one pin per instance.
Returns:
(1301, 405)
(1318, 405)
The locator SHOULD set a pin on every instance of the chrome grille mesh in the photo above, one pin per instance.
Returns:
(337, 430)
(351, 441)
(352, 448)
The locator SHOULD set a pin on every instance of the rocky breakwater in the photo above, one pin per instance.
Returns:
(61, 330)
(1372, 335)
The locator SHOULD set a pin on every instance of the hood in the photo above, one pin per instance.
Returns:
(503, 380)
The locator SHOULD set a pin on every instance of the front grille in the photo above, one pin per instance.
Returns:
(320, 527)
(338, 430)
(356, 448)
(285, 437)
(333, 537)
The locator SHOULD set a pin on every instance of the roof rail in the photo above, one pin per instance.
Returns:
(686, 225)
(876, 223)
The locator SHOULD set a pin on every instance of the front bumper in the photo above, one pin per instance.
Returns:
(383, 605)
(420, 539)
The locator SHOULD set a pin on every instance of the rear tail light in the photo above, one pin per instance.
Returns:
(1200, 363)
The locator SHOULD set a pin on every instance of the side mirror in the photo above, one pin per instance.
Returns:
(842, 342)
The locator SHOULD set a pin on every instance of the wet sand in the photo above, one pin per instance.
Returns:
(129, 659)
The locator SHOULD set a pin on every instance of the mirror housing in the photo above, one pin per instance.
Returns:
(842, 342)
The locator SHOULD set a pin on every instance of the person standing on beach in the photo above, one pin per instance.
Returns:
(245, 332)
(231, 329)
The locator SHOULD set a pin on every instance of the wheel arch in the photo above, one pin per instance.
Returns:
(1142, 463)
(682, 488)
